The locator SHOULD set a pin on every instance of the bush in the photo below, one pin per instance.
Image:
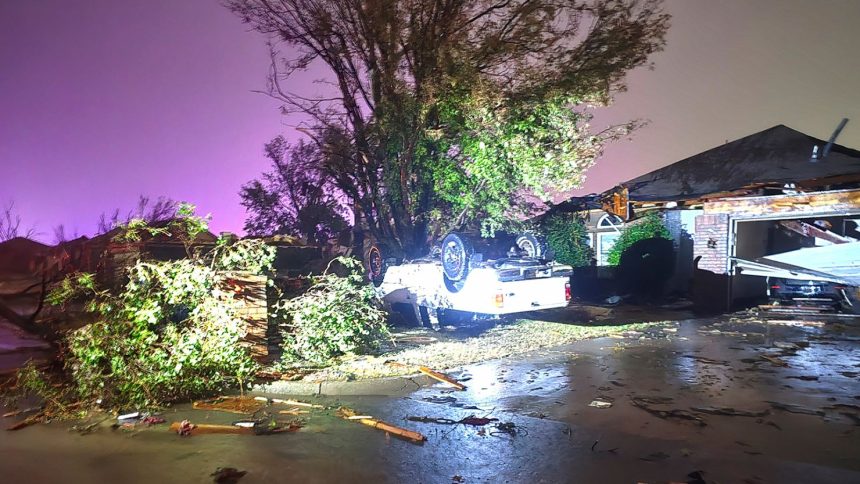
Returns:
(567, 237)
(648, 227)
(171, 333)
(338, 315)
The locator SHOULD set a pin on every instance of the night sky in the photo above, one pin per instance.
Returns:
(104, 100)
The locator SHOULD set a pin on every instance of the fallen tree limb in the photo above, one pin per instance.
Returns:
(32, 419)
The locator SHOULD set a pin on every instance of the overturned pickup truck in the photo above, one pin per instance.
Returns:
(460, 279)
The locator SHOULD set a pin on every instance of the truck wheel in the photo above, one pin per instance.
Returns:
(456, 254)
(375, 265)
(531, 245)
(452, 286)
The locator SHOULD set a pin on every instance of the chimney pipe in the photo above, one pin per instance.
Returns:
(833, 137)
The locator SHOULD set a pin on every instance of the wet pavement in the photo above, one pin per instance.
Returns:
(737, 401)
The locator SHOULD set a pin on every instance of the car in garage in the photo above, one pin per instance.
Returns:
(807, 292)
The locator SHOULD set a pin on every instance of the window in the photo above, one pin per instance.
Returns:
(609, 221)
(608, 231)
(605, 241)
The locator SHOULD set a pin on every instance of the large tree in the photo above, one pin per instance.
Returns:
(443, 114)
(295, 197)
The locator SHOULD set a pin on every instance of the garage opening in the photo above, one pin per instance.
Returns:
(759, 238)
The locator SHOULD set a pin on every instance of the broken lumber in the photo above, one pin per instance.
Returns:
(393, 429)
(201, 429)
(775, 361)
(198, 429)
(349, 414)
(241, 405)
(441, 377)
(294, 403)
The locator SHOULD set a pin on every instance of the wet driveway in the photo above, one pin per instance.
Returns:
(719, 401)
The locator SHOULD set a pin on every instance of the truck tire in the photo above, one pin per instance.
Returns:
(531, 245)
(375, 265)
(456, 254)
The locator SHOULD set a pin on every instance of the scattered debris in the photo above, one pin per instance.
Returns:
(774, 360)
(183, 429)
(227, 475)
(294, 403)
(792, 408)
(85, 429)
(186, 428)
(436, 420)
(803, 377)
(594, 448)
(243, 405)
(31, 420)
(442, 399)
(656, 456)
(293, 411)
(773, 424)
(477, 421)
(696, 477)
(600, 404)
(349, 414)
(729, 411)
(509, 428)
(792, 322)
(152, 420)
(15, 413)
(785, 345)
(441, 377)
(647, 404)
(709, 361)
(129, 416)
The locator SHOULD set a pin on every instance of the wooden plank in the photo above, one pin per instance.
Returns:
(443, 378)
(802, 204)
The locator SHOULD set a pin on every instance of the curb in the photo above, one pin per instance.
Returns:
(389, 386)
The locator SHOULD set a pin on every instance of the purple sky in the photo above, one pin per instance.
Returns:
(104, 100)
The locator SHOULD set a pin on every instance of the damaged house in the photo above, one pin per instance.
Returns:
(731, 207)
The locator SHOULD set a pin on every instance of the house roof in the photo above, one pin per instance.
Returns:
(777, 155)
(22, 244)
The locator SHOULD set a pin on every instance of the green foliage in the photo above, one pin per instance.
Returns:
(452, 115)
(74, 286)
(185, 225)
(648, 227)
(171, 333)
(568, 238)
(503, 150)
(338, 315)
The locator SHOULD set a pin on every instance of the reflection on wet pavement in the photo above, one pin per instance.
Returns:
(739, 401)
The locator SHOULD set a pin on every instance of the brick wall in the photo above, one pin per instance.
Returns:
(711, 242)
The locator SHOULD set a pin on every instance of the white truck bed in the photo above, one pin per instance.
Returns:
(486, 290)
